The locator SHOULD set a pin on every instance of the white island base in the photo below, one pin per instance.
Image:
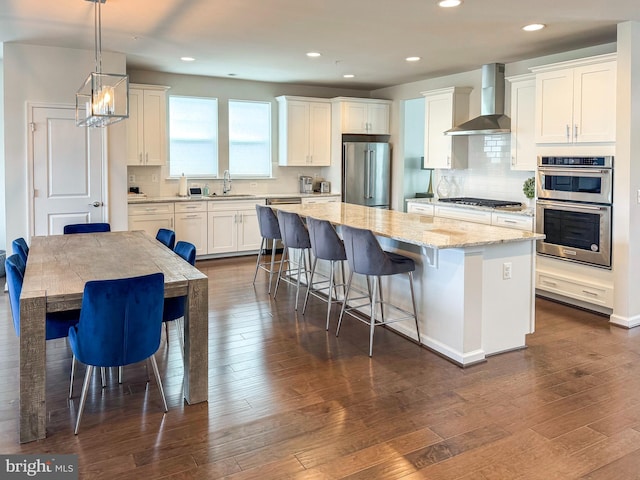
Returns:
(467, 307)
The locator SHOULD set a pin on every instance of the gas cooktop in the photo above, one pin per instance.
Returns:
(480, 202)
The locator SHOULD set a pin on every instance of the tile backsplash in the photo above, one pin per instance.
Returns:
(489, 173)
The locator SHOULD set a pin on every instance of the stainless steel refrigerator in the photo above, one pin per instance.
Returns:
(366, 173)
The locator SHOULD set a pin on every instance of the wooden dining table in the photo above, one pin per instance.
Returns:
(58, 268)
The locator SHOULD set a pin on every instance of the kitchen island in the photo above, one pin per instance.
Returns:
(474, 283)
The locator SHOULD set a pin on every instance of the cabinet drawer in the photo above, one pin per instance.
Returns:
(321, 200)
(182, 207)
(221, 205)
(519, 222)
(464, 214)
(421, 209)
(150, 208)
(578, 289)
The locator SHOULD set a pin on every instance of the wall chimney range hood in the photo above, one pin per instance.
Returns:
(492, 119)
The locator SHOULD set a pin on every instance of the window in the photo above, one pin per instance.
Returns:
(249, 138)
(193, 136)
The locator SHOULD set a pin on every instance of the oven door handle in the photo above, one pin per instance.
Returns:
(572, 206)
(573, 171)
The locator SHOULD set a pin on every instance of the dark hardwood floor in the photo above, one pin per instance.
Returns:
(289, 400)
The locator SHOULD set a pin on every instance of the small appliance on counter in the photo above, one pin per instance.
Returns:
(322, 186)
(306, 184)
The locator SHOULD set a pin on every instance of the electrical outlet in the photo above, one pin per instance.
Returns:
(132, 179)
(154, 178)
(506, 271)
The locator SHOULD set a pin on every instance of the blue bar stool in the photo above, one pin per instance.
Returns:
(269, 230)
(294, 235)
(325, 245)
(366, 257)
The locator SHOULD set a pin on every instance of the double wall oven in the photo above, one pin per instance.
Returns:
(574, 208)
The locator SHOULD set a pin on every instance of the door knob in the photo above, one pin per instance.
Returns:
(96, 204)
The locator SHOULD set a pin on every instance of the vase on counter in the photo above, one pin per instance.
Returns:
(444, 187)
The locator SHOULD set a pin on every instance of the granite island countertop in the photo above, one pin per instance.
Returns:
(420, 230)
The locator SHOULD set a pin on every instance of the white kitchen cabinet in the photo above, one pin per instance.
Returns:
(191, 224)
(304, 131)
(147, 125)
(444, 109)
(151, 217)
(232, 227)
(465, 214)
(512, 220)
(323, 199)
(576, 101)
(421, 208)
(368, 116)
(523, 114)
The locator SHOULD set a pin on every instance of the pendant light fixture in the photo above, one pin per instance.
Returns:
(103, 99)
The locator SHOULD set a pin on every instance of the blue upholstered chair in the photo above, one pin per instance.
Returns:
(120, 324)
(294, 235)
(269, 231)
(166, 237)
(174, 307)
(57, 324)
(20, 247)
(87, 228)
(325, 245)
(366, 257)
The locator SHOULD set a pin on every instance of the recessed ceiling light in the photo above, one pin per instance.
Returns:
(313, 54)
(187, 59)
(348, 75)
(449, 3)
(532, 27)
(413, 59)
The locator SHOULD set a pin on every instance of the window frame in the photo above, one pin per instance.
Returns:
(269, 136)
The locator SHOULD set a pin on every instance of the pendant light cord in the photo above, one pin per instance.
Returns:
(97, 18)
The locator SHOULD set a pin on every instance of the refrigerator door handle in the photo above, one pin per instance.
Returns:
(372, 173)
(367, 172)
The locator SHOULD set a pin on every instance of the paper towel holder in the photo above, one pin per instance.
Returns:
(182, 188)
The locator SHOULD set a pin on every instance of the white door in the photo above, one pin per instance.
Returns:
(67, 171)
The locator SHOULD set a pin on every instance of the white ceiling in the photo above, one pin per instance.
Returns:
(267, 39)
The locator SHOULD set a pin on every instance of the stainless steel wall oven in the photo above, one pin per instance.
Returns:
(574, 208)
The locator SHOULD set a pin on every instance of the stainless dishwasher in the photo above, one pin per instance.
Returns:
(280, 201)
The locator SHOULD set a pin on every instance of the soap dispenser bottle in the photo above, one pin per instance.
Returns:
(205, 191)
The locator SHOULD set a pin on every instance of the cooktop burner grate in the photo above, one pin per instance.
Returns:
(480, 202)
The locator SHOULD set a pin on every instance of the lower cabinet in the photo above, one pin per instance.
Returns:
(191, 224)
(151, 217)
(232, 227)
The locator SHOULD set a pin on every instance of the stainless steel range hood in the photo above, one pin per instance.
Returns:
(492, 119)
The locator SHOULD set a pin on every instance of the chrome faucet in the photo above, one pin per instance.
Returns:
(226, 182)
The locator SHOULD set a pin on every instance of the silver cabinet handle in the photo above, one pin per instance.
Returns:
(575, 132)
(191, 216)
(140, 155)
(568, 132)
(146, 157)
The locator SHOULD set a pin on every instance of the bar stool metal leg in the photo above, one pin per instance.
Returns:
(415, 312)
(255, 275)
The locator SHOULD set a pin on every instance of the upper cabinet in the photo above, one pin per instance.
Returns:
(576, 101)
(523, 114)
(304, 131)
(445, 108)
(363, 115)
(147, 125)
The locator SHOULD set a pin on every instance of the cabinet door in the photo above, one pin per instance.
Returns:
(297, 128)
(320, 134)
(192, 227)
(523, 112)
(134, 128)
(248, 231)
(554, 106)
(151, 223)
(155, 127)
(594, 104)
(222, 232)
(438, 119)
(354, 117)
(378, 115)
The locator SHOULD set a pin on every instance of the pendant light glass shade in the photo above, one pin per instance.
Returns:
(103, 99)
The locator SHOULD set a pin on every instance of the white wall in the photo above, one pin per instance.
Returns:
(285, 179)
(415, 179)
(3, 206)
(36, 74)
